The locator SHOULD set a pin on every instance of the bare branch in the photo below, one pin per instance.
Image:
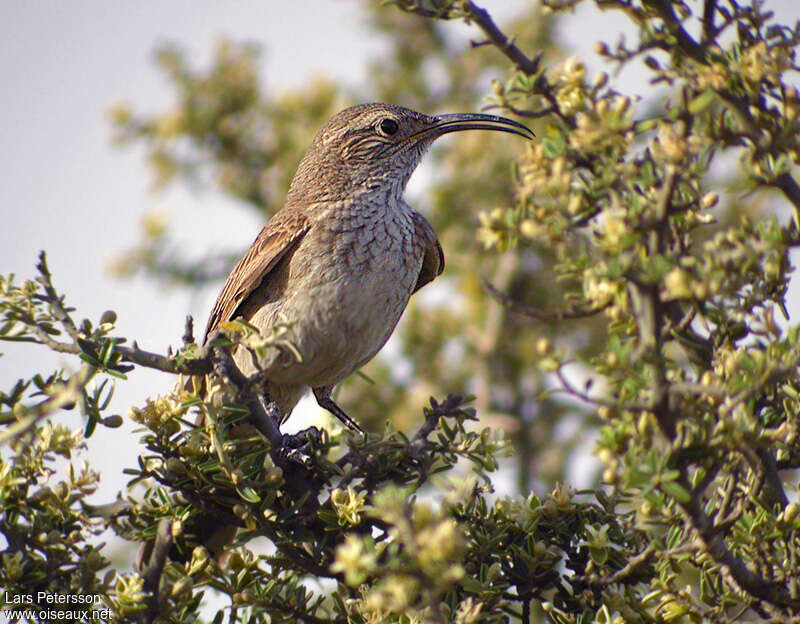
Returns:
(199, 366)
(586, 398)
(481, 17)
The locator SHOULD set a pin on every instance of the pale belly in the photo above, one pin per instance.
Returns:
(343, 305)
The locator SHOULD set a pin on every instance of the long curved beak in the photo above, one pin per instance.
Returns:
(443, 124)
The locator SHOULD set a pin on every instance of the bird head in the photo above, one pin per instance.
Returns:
(374, 149)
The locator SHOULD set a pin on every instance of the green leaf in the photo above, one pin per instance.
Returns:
(672, 489)
(91, 425)
(645, 125)
(248, 493)
(702, 101)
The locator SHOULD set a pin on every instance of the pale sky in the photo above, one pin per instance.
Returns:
(65, 189)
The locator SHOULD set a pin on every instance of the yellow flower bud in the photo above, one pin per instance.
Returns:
(622, 105)
(543, 346)
(676, 284)
(709, 200)
(600, 80)
(790, 513)
(601, 49)
(181, 586)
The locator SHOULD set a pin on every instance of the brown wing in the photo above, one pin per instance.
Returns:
(278, 237)
(433, 260)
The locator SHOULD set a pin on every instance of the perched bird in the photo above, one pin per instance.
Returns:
(340, 260)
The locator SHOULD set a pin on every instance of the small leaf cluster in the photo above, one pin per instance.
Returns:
(50, 539)
(33, 312)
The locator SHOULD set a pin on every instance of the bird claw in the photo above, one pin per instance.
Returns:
(298, 447)
(298, 456)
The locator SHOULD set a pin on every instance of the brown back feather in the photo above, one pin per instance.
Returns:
(279, 236)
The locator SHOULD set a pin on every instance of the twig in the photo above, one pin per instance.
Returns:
(225, 367)
(107, 511)
(525, 64)
(573, 391)
(157, 552)
(673, 25)
(65, 397)
(59, 312)
(541, 315)
(450, 404)
(132, 354)
(709, 8)
(519, 112)
(626, 571)
(412, 6)
(788, 185)
(200, 366)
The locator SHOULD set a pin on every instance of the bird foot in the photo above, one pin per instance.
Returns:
(325, 401)
(298, 447)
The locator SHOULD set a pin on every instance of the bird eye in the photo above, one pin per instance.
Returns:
(389, 126)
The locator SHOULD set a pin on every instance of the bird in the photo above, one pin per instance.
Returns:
(339, 262)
